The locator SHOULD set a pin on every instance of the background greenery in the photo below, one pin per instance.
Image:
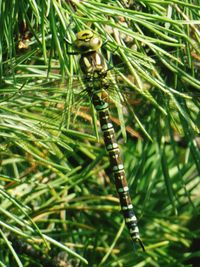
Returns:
(58, 200)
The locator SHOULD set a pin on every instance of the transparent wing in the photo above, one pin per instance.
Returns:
(56, 105)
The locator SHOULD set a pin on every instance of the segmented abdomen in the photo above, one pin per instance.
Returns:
(117, 166)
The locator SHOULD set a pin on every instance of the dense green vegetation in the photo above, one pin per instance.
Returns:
(57, 197)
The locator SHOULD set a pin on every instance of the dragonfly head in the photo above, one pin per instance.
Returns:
(87, 41)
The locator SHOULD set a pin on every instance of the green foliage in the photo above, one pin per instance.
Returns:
(55, 187)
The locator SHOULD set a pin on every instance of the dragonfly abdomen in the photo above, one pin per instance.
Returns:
(117, 167)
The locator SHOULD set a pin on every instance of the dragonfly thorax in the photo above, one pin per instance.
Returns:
(92, 62)
(94, 67)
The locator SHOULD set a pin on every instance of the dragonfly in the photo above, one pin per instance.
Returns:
(94, 68)
(96, 80)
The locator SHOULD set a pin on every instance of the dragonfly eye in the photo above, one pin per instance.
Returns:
(84, 35)
(95, 43)
(86, 41)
